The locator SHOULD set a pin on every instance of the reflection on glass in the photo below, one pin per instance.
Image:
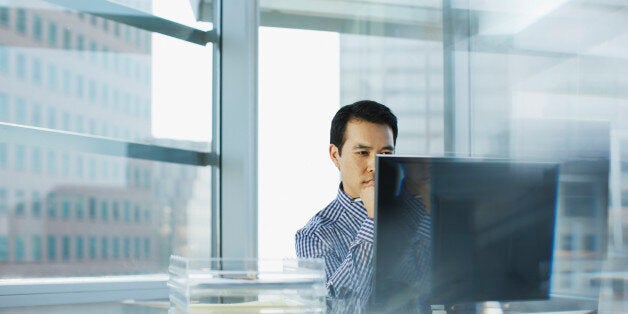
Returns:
(83, 214)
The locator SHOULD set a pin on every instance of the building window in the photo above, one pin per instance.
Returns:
(37, 27)
(66, 82)
(104, 210)
(4, 107)
(36, 115)
(4, 248)
(36, 204)
(567, 242)
(4, 16)
(20, 156)
(18, 246)
(79, 162)
(137, 248)
(65, 207)
(20, 111)
(51, 160)
(4, 59)
(52, 34)
(52, 118)
(4, 204)
(137, 214)
(146, 247)
(20, 22)
(36, 160)
(116, 247)
(127, 211)
(590, 243)
(20, 66)
(52, 77)
(51, 205)
(67, 39)
(92, 247)
(20, 206)
(116, 211)
(104, 248)
(80, 43)
(127, 247)
(52, 248)
(92, 209)
(36, 72)
(37, 248)
(65, 248)
(79, 248)
(80, 212)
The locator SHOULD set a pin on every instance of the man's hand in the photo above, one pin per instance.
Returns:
(367, 194)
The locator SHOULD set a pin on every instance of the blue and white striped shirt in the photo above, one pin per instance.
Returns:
(342, 234)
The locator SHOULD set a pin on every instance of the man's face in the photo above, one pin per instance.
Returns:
(363, 140)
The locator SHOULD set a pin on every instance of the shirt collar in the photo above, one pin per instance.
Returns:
(353, 208)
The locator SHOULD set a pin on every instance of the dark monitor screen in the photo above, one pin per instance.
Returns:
(456, 230)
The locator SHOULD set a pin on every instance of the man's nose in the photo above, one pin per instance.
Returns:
(371, 164)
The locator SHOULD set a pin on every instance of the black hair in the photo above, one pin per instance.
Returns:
(363, 110)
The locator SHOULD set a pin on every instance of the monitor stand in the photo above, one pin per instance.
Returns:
(489, 307)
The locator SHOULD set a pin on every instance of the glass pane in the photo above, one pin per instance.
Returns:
(315, 58)
(90, 215)
(84, 214)
(195, 13)
(93, 76)
(545, 82)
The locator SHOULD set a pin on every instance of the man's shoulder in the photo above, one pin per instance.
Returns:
(323, 220)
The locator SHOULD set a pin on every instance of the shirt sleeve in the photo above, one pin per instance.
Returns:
(353, 278)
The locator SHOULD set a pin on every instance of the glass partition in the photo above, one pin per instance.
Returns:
(105, 138)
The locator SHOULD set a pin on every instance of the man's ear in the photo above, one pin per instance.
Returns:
(334, 154)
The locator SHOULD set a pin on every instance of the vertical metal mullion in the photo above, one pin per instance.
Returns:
(238, 144)
(216, 233)
(457, 89)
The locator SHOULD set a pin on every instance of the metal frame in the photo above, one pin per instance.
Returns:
(139, 19)
(105, 146)
(75, 290)
(238, 143)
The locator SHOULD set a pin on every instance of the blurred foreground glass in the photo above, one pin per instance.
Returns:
(246, 285)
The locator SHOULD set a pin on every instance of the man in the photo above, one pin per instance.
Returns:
(342, 233)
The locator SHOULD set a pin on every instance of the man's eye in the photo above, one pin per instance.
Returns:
(387, 153)
(363, 153)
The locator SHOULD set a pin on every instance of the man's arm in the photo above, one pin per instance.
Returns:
(352, 278)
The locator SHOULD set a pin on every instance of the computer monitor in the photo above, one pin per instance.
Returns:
(490, 237)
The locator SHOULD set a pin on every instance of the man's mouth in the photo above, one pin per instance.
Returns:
(368, 181)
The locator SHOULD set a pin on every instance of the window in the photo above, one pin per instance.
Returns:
(51, 205)
(80, 212)
(92, 209)
(72, 180)
(36, 69)
(104, 248)
(4, 16)
(37, 27)
(51, 247)
(65, 252)
(4, 248)
(20, 203)
(4, 59)
(37, 248)
(20, 156)
(4, 107)
(36, 161)
(20, 22)
(65, 207)
(36, 204)
(52, 34)
(79, 248)
(92, 247)
(4, 204)
(67, 39)
(18, 246)
(20, 111)
(20, 66)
